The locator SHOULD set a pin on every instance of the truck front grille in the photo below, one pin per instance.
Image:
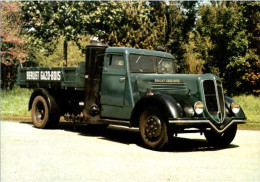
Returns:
(214, 98)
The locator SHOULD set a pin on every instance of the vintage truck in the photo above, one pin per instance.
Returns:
(134, 88)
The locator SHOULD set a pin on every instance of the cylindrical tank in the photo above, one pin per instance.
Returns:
(94, 65)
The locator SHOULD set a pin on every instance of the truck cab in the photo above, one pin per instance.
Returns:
(133, 88)
(120, 87)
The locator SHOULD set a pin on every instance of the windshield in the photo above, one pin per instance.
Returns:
(150, 64)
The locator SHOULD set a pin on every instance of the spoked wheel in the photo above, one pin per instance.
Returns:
(41, 116)
(221, 140)
(153, 129)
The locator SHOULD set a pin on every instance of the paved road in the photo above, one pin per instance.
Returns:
(116, 154)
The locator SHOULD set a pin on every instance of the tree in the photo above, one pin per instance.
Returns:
(173, 23)
(135, 28)
(12, 48)
(48, 21)
(150, 24)
(135, 24)
(56, 58)
(222, 25)
(251, 15)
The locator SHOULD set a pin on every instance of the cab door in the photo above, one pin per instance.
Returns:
(113, 82)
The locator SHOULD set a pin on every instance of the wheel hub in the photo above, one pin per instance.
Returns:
(153, 127)
(40, 112)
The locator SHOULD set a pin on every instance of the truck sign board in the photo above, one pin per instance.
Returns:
(43, 75)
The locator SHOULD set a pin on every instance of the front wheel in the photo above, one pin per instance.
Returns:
(221, 140)
(153, 129)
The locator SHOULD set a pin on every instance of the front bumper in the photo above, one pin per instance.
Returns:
(206, 123)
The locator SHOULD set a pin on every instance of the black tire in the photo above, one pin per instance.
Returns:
(153, 129)
(221, 140)
(41, 116)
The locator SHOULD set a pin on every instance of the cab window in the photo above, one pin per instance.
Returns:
(115, 61)
(151, 64)
(142, 64)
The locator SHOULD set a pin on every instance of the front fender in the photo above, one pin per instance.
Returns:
(229, 113)
(164, 102)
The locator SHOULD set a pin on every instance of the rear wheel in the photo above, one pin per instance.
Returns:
(221, 140)
(41, 116)
(153, 129)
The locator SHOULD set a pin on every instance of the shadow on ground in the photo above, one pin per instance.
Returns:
(129, 136)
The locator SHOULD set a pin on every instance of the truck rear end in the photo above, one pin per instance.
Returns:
(72, 92)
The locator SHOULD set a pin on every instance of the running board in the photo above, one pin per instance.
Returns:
(115, 122)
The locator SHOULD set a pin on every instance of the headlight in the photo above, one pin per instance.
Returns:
(235, 107)
(198, 107)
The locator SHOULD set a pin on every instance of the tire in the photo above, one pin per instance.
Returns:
(153, 129)
(221, 140)
(41, 116)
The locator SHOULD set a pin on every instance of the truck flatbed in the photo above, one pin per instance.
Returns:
(52, 77)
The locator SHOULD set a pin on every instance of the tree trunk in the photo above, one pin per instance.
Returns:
(65, 53)
(167, 32)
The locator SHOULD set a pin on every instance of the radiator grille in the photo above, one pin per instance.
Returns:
(214, 98)
(210, 96)
(221, 97)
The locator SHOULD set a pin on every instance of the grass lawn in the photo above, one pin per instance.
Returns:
(14, 104)
(251, 107)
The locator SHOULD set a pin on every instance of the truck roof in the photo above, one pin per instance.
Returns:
(127, 50)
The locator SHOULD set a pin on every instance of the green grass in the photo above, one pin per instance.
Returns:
(251, 107)
(15, 102)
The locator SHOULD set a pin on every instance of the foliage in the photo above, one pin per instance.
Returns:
(251, 14)
(220, 37)
(224, 26)
(148, 25)
(13, 50)
(133, 30)
(56, 59)
(193, 55)
(46, 22)
(173, 23)
(220, 45)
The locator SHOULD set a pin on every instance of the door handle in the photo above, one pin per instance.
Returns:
(122, 79)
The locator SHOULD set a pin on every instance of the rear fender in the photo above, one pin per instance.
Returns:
(52, 105)
(166, 103)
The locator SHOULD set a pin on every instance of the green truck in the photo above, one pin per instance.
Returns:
(134, 88)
